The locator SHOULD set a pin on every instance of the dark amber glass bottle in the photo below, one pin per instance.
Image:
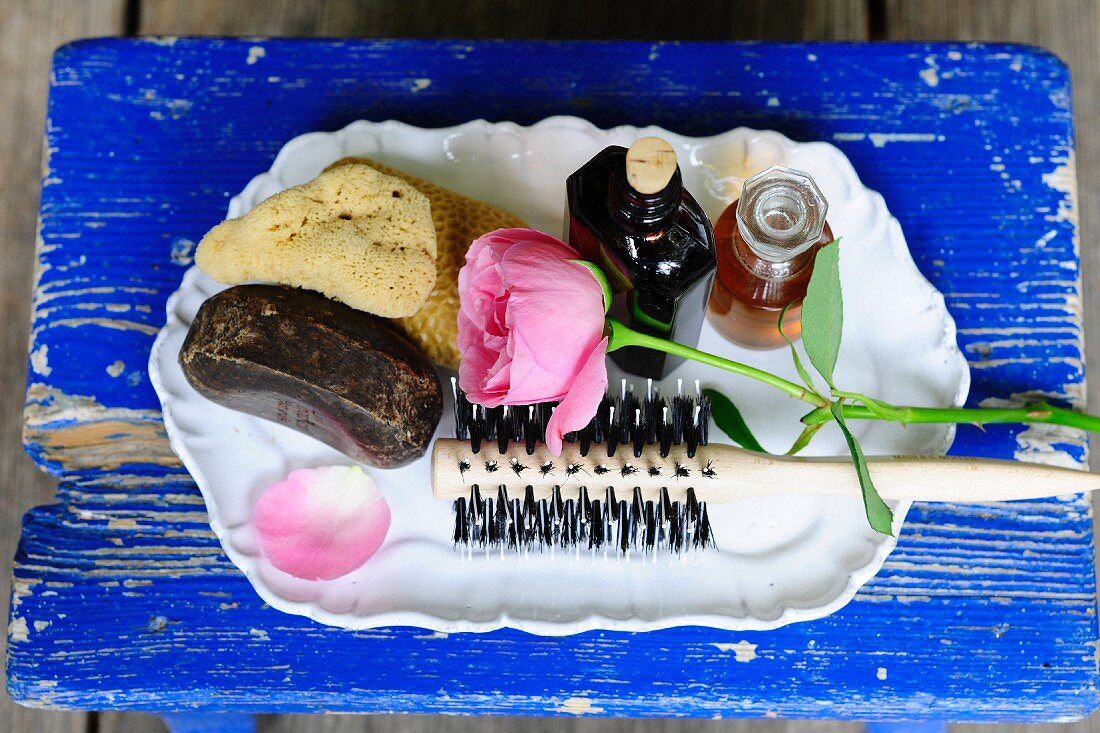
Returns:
(766, 243)
(628, 212)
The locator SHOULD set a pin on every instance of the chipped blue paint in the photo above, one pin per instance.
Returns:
(122, 597)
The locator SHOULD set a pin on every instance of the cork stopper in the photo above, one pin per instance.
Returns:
(650, 165)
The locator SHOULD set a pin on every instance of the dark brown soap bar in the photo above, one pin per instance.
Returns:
(318, 366)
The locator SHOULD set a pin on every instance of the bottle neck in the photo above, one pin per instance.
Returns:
(776, 221)
(768, 257)
(733, 243)
(768, 267)
(643, 212)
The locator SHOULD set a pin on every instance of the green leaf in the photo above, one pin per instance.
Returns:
(804, 438)
(601, 278)
(728, 419)
(823, 312)
(802, 372)
(879, 515)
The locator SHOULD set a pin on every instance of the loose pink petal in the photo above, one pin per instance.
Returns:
(580, 405)
(321, 523)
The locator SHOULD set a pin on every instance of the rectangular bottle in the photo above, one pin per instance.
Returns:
(628, 211)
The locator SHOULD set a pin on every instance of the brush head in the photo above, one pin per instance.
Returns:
(589, 509)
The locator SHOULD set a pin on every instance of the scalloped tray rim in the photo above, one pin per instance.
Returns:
(594, 621)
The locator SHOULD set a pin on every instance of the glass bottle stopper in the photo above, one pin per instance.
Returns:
(781, 213)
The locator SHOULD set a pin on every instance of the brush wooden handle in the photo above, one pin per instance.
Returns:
(723, 473)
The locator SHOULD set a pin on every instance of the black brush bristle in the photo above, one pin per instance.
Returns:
(462, 411)
(462, 525)
(596, 519)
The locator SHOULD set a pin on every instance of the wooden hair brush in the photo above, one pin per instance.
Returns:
(640, 475)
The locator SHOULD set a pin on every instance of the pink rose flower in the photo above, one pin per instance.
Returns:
(531, 328)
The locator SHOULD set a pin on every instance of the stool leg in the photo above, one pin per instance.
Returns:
(930, 727)
(209, 722)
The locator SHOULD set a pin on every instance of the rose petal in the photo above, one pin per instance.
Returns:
(518, 235)
(580, 404)
(477, 360)
(558, 335)
(529, 380)
(545, 267)
(529, 318)
(321, 523)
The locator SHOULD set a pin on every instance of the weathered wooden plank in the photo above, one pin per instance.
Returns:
(148, 625)
(799, 20)
(957, 620)
(127, 314)
(55, 413)
(1090, 725)
(820, 20)
(616, 19)
(1070, 29)
(258, 18)
(28, 34)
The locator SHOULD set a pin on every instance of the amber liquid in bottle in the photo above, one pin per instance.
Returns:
(750, 292)
(754, 284)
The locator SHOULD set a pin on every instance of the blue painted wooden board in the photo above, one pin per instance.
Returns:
(122, 597)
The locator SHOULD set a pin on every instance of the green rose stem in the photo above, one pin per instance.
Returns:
(621, 335)
(1034, 413)
(822, 316)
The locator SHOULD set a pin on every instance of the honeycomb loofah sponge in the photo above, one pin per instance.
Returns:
(458, 221)
(354, 233)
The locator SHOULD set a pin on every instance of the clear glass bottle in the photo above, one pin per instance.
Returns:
(766, 242)
(628, 212)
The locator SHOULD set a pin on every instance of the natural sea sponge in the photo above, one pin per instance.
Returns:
(458, 220)
(354, 233)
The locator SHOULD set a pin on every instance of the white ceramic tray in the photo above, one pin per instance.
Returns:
(779, 559)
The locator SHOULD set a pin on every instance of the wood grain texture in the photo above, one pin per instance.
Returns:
(29, 32)
(616, 19)
(414, 26)
(844, 19)
(1070, 29)
(126, 601)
